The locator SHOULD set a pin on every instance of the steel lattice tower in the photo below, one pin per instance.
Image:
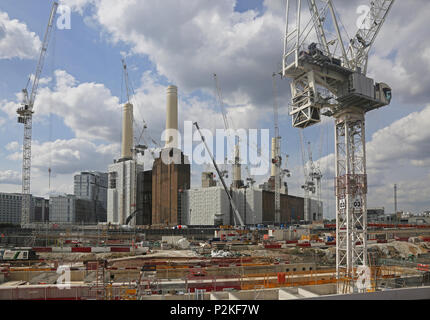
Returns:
(329, 79)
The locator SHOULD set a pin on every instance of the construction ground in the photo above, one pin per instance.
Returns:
(237, 264)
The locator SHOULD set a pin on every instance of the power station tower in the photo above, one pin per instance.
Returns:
(25, 116)
(329, 77)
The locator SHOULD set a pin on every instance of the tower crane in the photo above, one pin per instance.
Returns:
(227, 127)
(25, 116)
(250, 180)
(130, 93)
(277, 159)
(331, 80)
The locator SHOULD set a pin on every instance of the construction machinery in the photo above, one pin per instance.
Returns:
(231, 139)
(279, 173)
(277, 159)
(25, 116)
(329, 78)
(233, 206)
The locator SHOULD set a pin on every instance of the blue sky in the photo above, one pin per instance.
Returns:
(184, 43)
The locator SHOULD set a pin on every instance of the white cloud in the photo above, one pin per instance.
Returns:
(10, 177)
(89, 109)
(69, 156)
(12, 146)
(190, 40)
(76, 5)
(16, 41)
(397, 154)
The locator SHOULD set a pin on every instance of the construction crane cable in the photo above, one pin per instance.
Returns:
(50, 142)
(131, 96)
(302, 149)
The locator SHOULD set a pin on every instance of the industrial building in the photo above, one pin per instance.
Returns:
(162, 196)
(40, 210)
(123, 174)
(91, 186)
(204, 206)
(167, 181)
(11, 206)
(144, 198)
(62, 209)
(69, 209)
(171, 172)
(122, 190)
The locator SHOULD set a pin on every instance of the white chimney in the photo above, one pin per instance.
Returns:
(127, 132)
(237, 174)
(172, 117)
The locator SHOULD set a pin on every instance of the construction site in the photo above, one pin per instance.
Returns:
(163, 239)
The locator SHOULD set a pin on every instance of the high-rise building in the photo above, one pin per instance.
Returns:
(62, 209)
(40, 210)
(93, 186)
(10, 208)
(122, 200)
(69, 209)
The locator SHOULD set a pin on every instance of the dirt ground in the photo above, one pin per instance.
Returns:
(392, 250)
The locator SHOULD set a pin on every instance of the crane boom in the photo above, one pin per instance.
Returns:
(25, 115)
(231, 139)
(43, 52)
(127, 87)
(361, 44)
(236, 212)
(221, 102)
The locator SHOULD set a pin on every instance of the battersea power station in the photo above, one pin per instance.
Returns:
(163, 197)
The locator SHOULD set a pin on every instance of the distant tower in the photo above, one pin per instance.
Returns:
(237, 168)
(127, 132)
(395, 199)
(208, 180)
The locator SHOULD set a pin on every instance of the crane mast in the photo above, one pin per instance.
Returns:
(277, 160)
(25, 116)
(332, 81)
(236, 165)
